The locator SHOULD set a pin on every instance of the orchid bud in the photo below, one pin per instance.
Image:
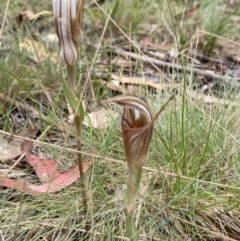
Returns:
(137, 129)
(68, 16)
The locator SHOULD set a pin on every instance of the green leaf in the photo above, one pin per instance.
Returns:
(115, 9)
(77, 105)
(69, 96)
(80, 108)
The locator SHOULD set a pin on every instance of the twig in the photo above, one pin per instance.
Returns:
(189, 69)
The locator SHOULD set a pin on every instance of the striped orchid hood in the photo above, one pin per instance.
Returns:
(137, 129)
(68, 17)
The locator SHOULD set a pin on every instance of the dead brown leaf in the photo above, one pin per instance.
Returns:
(37, 51)
(100, 119)
(47, 172)
(118, 82)
(9, 151)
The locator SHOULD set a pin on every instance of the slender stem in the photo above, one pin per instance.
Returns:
(79, 155)
(71, 79)
(134, 180)
(131, 231)
(78, 124)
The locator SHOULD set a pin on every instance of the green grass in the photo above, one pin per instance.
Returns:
(190, 188)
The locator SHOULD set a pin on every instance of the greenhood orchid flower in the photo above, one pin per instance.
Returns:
(137, 130)
(68, 16)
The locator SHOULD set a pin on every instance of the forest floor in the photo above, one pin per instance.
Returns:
(151, 49)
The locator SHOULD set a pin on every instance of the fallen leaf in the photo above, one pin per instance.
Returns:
(65, 179)
(18, 185)
(133, 83)
(46, 170)
(9, 151)
(99, 119)
(113, 85)
(16, 173)
(51, 38)
(71, 116)
(37, 51)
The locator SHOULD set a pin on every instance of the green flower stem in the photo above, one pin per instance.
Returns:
(78, 124)
(131, 229)
(133, 186)
(71, 81)
(134, 180)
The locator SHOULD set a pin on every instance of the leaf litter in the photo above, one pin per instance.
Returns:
(47, 171)
(9, 151)
(206, 70)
